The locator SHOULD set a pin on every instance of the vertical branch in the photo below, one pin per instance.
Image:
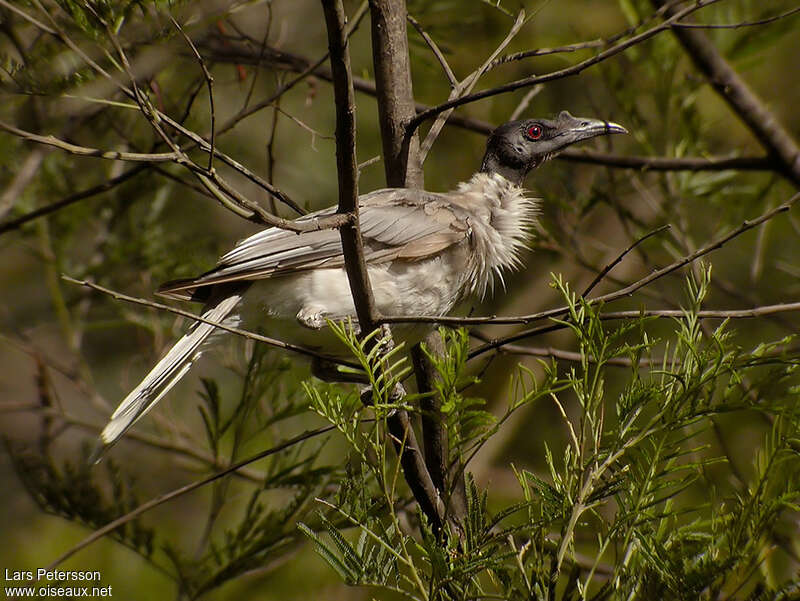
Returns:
(394, 92)
(346, 165)
(414, 469)
(434, 433)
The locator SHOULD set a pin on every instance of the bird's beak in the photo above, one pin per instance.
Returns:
(584, 129)
(575, 129)
(589, 128)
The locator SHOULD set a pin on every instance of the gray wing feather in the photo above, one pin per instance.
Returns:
(395, 224)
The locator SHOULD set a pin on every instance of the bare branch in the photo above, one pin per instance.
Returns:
(762, 311)
(603, 272)
(747, 225)
(347, 166)
(213, 182)
(304, 67)
(138, 98)
(180, 449)
(525, 102)
(508, 347)
(209, 84)
(573, 356)
(670, 164)
(741, 24)
(403, 167)
(113, 155)
(466, 86)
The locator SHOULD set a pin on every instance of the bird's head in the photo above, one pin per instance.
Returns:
(516, 147)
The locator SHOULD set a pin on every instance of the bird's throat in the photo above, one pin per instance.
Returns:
(513, 170)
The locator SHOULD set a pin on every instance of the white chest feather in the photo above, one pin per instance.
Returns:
(500, 229)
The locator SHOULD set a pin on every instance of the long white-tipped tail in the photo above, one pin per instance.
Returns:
(166, 373)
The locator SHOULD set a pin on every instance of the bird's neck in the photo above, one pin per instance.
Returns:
(514, 172)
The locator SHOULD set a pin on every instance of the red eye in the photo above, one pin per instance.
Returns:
(535, 132)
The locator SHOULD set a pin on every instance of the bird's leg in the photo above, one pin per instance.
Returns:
(312, 318)
(328, 371)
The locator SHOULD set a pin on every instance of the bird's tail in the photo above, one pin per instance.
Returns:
(167, 372)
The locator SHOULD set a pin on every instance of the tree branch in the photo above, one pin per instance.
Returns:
(628, 290)
(112, 155)
(214, 183)
(403, 168)
(14, 224)
(347, 166)
(133, 94)
(448, 72)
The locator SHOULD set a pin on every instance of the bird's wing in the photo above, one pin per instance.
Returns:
(396, 224)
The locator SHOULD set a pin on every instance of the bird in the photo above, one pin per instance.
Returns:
(425, 252)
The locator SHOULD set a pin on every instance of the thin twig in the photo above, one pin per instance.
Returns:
(465, 87)
(209, 84)
(764, 21)
(113, 155)
(596, 43)
(746, 163)
(761, 311)
(198, 140)
(14, 224)
(525, 102)
(156, 442)
(214, 183)
(448, 72)
(575, 357)
(671, 164)
(747, 225)
(599, 277)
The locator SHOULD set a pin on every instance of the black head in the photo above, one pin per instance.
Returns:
(516, 147)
